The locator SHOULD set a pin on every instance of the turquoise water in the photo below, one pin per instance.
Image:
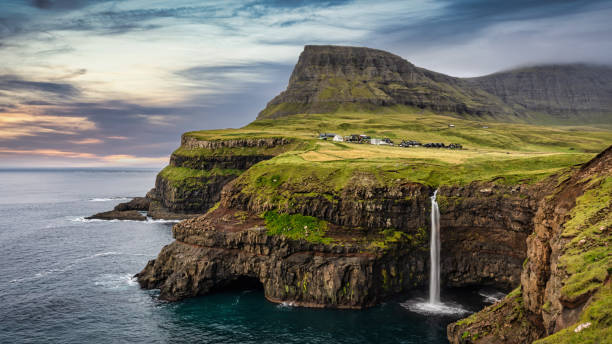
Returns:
(63, 280)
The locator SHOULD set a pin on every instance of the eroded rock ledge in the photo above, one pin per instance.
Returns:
(205, 258)
(484, 230)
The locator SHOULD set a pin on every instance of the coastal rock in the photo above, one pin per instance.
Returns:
(133, 215)
(205, 259)
(214, 251)
(483, 235)
(137, 203)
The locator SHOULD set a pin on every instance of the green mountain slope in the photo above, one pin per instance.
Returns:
(330, 79)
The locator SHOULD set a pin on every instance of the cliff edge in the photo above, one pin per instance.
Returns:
(565, 294)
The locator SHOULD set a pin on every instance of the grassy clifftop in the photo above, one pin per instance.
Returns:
(510, 153)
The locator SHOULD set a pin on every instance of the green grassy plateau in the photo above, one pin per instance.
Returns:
(504, 152)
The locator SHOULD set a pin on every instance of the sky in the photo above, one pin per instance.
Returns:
(114, 83)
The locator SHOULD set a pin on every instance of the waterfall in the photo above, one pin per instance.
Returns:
(434, 272)
(434, 305)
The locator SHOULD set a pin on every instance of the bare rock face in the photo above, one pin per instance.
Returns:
(361, 204)
(483, 245)
(483, 230)
(205, 259)
(194, 196)
(186, 199)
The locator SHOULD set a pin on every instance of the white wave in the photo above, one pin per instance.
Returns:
(115, 281)
(148, 220)
(71, 265)
(110, 199)
(285, 305)
(491, 296)
(422, 306)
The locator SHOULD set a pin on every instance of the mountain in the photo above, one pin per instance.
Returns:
(336, 78)
(565, 92)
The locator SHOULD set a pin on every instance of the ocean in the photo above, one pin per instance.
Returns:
(64, 279)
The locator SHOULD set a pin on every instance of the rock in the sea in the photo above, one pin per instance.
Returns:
(137, 203)
(133, 215)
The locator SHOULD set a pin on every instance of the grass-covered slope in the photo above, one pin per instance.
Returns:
(565, 294)
(510, 153)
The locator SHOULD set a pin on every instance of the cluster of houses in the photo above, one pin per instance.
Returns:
(355, 138)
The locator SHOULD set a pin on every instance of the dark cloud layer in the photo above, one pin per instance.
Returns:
(14, 83)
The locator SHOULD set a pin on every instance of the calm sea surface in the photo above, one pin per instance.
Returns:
(66, 280)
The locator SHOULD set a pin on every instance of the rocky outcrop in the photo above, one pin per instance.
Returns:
(137, 203)
(483, 244)
(362, 204)
(206, 258)
(132, 215)
(545, 274)
(189, 196)
(208, 166)
(565, 280)
(223, 160)
(125, 211)
(190, 142)
(331, 78)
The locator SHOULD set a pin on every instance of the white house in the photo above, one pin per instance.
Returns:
(338, 138)
(378, 142)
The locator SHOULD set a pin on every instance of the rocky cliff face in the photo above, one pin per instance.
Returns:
(331, 78)
(361, 266)
(199, 169)
(206, 258)
(483, 229)
(484, 225)
(565, 282)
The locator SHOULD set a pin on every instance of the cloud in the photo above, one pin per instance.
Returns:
(15, 83)
(86, 158)
(86, 141)
(158, 119)
(13, 125)
(142, 72)
(62, 4)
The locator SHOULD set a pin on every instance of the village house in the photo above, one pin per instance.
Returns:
(326, 136)
(338, 138)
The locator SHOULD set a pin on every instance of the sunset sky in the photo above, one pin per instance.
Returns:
(115, 83)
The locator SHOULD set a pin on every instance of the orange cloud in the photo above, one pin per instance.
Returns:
(116, 159)
(86, 141)
(13, 125)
